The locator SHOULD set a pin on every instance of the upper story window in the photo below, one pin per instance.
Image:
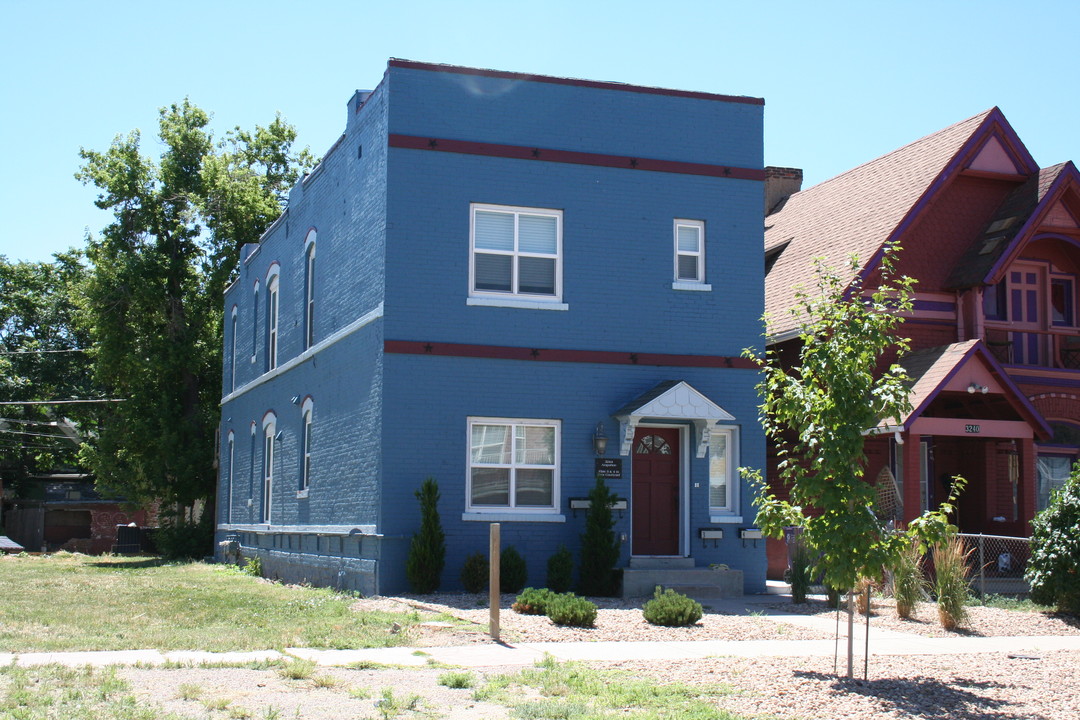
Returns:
(515, 252)
(689, 255)
(1062, 302)
(309, 290)
(232, 350)
(513, 464)
(255, 322)
(272, 285)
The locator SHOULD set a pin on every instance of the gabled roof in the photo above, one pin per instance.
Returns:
(861, 210)
(1010, 227)
(932, 369)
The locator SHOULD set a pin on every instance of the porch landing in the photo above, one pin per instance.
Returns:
(681, 575)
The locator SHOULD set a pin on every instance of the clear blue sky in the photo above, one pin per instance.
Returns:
(843, 82)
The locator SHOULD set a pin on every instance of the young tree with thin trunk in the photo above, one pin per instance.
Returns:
(817, 408)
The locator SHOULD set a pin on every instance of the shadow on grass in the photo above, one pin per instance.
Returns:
(124, 564)
(927, 698)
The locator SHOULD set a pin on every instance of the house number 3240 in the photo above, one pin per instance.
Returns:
(971, 429)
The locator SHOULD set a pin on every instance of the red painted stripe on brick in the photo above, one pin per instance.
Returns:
(520, 152)
(501, 352)
(600, 84)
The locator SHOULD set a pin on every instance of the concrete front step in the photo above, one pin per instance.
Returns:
(704, 582)
(661, 563)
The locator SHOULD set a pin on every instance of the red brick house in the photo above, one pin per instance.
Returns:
(994, 243)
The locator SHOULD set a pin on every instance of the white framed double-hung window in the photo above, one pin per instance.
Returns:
(272, 323)
(269, 431)
(513, 465)
(690, 255)
(723, 476)
(515, 255)
(306, 410)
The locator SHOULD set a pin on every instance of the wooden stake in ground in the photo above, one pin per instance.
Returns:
(494, 553)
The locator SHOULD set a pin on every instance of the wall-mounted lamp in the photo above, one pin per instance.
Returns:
(295, 399)
(280, 434)
(599, 439)
(977, 388)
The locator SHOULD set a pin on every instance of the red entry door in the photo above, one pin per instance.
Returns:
(656, 491)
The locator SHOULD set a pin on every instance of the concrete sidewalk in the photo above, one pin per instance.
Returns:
(882, 642)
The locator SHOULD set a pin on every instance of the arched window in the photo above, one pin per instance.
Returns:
(255, 322)
(309, 289)
(232, 351)
(306, 411)
(272, 303)
(269, 429)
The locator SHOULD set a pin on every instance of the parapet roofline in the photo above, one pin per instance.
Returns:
(599, 84)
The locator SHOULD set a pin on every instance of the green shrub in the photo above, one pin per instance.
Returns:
(427, 553)
(908, 582)
(801, 574)
(560, 570)
(474, 573)
(569, 609)
(253, 567)
(180, 539)
(1055, 549)
(533, 601)
(951, 581)
(599, 545)
(512, 571)
(671, 609)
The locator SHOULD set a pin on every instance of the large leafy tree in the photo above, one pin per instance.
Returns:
(42, 360)
(152, 300)
(818, 404)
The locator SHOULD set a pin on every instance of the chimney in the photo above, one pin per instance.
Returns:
(355, 103)
(780, 184)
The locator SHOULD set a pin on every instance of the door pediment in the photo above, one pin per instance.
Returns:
(671, 400)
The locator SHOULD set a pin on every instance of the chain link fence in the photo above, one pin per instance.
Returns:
(997, 564)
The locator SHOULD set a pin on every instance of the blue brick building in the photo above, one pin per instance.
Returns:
(487, 271)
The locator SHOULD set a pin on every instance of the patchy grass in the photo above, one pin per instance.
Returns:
(67, 602)
(46, 692)
(578, 692)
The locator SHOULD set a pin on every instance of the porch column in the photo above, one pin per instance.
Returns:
(1028, 482)
(912, 454)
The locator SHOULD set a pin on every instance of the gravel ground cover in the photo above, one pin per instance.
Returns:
(982, 621)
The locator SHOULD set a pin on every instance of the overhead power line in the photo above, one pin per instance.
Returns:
(40, 352)
(62, 402)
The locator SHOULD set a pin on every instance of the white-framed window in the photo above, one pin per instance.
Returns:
(272, 284)
(269, 429)
(309, 290)
(232, 350)
(231, 467)
(690, 252)
(723, 477)
(306, 411)
(515, 252)
(513, 465)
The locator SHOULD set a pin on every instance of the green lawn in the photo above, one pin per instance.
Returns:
(78, 602)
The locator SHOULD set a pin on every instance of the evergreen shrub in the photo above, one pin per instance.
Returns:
(474, 573)
(533, 601)
(560, 570)
(671, 609)
(427, 553)
(570, 610)
(1055, 549)
(599, 545)
(513, 573)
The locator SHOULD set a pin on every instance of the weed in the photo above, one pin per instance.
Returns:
(188, 691)
(326, 682)
(359, 693)
(271, 713)
(239, 713)
(457, 680)
(216, 704)
(390, 706)
(297, 669)
(253, 567)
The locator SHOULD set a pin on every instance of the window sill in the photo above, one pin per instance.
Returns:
(696, 286)
(517, 303)
(723, 519)
(512, 517)
(301, 494)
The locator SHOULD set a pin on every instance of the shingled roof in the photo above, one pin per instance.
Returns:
(857, 213)
(1001, 232)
